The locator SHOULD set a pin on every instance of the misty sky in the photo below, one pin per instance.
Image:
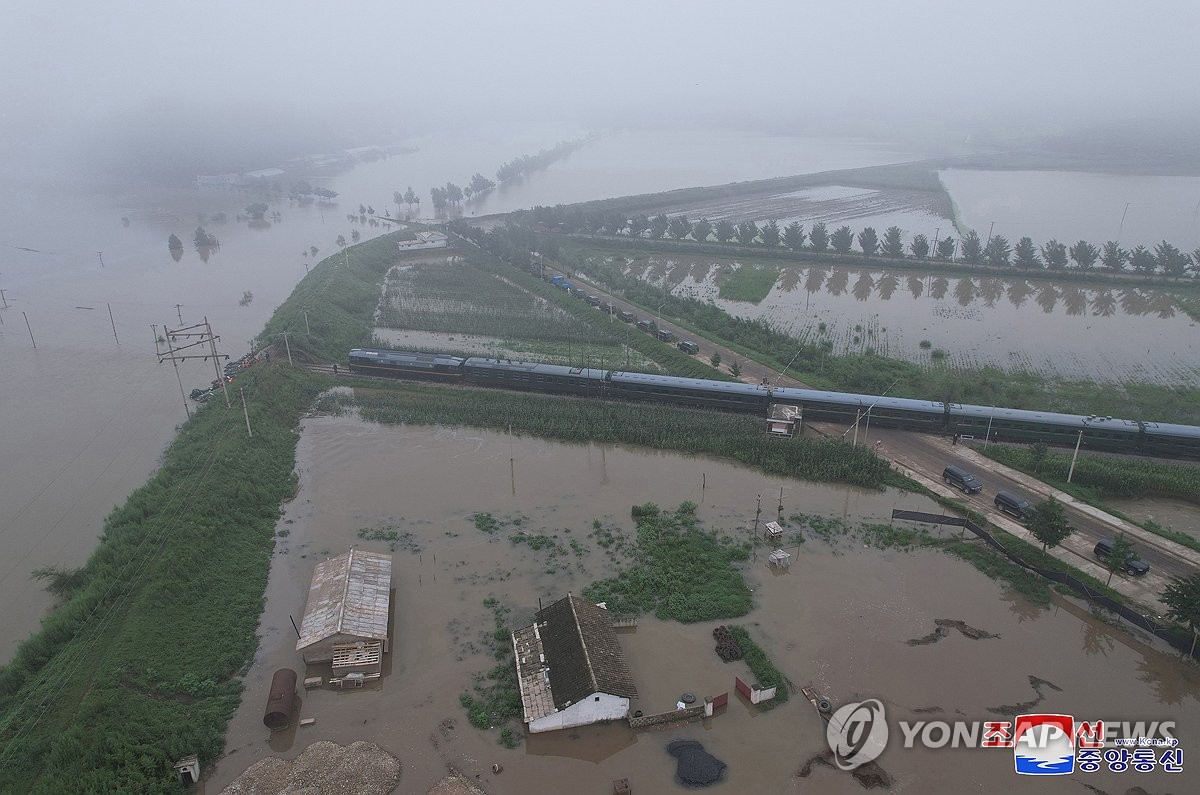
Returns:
(68, 67)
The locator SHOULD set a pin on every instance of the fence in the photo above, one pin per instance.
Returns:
(1167, 632)
(674, 716)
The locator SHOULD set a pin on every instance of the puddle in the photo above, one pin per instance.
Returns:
(839, 619)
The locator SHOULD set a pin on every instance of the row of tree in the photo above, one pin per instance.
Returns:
(997, 251)
(519, 166)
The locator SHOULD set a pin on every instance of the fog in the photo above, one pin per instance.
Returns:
(110, 84)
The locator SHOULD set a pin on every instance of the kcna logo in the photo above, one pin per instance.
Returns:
(1043, 744)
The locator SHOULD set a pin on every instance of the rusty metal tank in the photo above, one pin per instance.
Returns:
(282, 700)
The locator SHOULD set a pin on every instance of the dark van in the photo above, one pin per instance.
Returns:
(1135, 565)
(961, 479)
(1013, 505)
(666, 336)
(627, 317)
(645, 325)
(593, 300)
(689, 347)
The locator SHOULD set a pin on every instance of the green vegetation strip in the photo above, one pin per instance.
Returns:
(735, 436)
(680, 572)
(495, 699)
(749, 283)
(765, 672)
(1097, 478)
(140, 665)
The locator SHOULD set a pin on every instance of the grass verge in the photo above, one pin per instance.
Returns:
(765, 672)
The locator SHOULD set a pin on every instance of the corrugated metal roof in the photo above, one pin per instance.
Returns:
(349, 595)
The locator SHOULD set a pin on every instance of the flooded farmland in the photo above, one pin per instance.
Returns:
(840, 619)
(1118, 333)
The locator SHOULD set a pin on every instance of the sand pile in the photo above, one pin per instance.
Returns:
(324, 768)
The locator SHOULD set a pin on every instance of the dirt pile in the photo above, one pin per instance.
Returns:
(324, 768)
(870, 774)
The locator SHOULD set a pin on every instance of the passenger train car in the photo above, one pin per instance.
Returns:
(995, 423)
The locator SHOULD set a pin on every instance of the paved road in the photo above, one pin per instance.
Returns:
(926, 456)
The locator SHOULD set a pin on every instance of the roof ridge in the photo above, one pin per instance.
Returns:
(587, 656)
(345, 589)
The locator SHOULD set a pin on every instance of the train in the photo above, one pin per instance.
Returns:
(992, 422)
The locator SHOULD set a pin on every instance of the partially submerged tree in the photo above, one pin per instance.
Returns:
(1182, 598)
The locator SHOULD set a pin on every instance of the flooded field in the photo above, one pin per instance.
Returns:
(1118, 334)
(1069, 206)
(1169, 513)
(839, 619)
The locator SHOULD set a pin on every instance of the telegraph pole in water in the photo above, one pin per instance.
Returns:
(178, 377)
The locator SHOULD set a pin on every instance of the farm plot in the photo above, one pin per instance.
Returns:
(462, 298)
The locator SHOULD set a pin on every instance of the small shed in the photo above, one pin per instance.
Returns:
(774, 533)
(783, 419)
(346, 619)
(780, 559)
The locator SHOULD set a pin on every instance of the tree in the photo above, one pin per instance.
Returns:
(997, 251)
(410, 198)
(701, 230)
(735, 369)
(174, 243)
(919, 247)
(1048, 523)
(793, 236)
(354, 235)
(658, 226)
(313, 250)
(1113, 256)
(203, 239)
(1141, 259)
(679, 227)
(1085, 255)
(1054, 254)
(841, 239)
(945, 248)
(438, 195)
(468, 192)
(746, 232)
(1194, 265)
(1170, 260)
(362, 209)
(481, 184)
(1182, 598)
(256, 211)
(1120, 557)
(818, 238)
(972, 248)
(1026, 254)
(454, 193)
(893, 244)
(769, 234)
(868, 241)
(341, 241)
(715, 360)
(724, 231)
(397, 198)
(638, 224)
(325, 193)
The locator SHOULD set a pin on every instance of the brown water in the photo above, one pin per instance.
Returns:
(1122, 334)
(1169, 513)
(837, 620)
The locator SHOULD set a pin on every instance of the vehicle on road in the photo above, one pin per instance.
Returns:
(961, 479)
(1016, 507)
(665, 335)
(1135, 565)
(689, 347)
(627, 317)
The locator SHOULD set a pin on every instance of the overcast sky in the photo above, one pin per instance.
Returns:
(69, 67)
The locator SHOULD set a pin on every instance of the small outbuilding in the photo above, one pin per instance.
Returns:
(346, 620)
(570, 667)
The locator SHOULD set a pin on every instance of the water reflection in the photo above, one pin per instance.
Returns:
(1074, 300)
(915, 286)
(887, 285)
(991, 290)
(938, 287)
(1096, 639)
(1104, 304)
(788, 279)
(1047, 298)
(1018, 292)
(863, 286)
(836, 284)
(1019, 606)
(964, 292)
(814, 279)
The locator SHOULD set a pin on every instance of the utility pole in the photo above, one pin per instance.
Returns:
(114, 324)
(245, 413)
(4, 298)
(178, 377)
(178, 313)
(307, 330)
(212, 344)
(990, 230)
(27, 326)
(1071, 472)
(100, 254)
(289, 348)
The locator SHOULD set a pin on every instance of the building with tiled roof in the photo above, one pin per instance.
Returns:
(570, 667)
(348, 604)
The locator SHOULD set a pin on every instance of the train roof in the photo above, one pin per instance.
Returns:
(708, 385)
(1171, 429)
(412, 358)
(535, 368)
(863, 401)
(1078, 422)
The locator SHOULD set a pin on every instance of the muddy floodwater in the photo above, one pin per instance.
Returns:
(839, 620)
(1120, 333)
(1172, 514)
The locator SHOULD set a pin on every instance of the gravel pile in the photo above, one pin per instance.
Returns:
(324, 768)
(696, 767)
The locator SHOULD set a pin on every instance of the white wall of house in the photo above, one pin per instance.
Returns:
(594, 708)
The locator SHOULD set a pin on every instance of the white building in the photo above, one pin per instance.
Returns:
(570, 667)
(423, 240)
